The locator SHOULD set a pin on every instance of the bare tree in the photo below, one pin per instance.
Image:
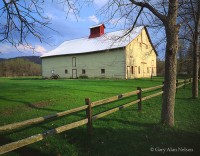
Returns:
(22, 19)
(181, 60)
(168, 16)
(196, 42)
(22, 23)
(189, 15)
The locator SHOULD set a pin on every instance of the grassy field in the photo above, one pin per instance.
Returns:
(126, 132)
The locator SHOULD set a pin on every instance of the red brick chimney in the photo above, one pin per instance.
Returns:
(97, 30)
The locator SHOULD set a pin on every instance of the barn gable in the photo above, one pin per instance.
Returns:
(141, 57)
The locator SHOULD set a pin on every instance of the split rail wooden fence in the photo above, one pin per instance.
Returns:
(89, 116)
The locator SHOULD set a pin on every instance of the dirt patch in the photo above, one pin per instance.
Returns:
(26, 107)
(7, 112)
(41, 104)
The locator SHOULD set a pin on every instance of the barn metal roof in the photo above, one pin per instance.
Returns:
(106, 41)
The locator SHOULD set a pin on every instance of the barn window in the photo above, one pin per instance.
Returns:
(103, 71)
(152, 62)
(66, 71)
(73, 61)
(132, 70)
(138, 69)
(83, 71)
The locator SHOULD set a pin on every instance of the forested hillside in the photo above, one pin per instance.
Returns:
(19, 67)
(35, 59)
(1, 59)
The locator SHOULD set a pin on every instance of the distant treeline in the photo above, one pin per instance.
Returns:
(19, 67)
(35, 59)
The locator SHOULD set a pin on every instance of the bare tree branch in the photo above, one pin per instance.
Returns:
(151, 8)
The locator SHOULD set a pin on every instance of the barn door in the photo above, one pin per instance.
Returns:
(143, 69)
(74, 73)
(128, 72)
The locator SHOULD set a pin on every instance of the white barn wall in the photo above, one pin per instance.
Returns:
(112, 61)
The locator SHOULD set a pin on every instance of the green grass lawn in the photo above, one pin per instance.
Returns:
(126, 132)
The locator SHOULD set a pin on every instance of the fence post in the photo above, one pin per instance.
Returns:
(139, 96)
(89, 116)
(163, 88)
(184, 83)
(176, 85)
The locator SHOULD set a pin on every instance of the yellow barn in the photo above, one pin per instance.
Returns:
(103, 55)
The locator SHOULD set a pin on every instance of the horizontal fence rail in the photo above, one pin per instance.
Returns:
(40, 119)
(151, 96)
(98, 116)
(152, 88)
(182, 83)
(114, 98)
(89, 117)
(38, 137)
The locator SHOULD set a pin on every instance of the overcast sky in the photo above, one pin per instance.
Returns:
(65, 29)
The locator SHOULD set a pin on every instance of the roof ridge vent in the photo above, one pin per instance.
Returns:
(97, 30)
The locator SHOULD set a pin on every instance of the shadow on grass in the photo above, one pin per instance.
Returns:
(30, 105)
(128, 138)
(27, 78)
(71, 87)
(24, 151)
(186, 98)
(138, 141)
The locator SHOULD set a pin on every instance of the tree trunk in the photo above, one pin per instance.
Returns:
(172, 29)
(195, 71)
(196, 55)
